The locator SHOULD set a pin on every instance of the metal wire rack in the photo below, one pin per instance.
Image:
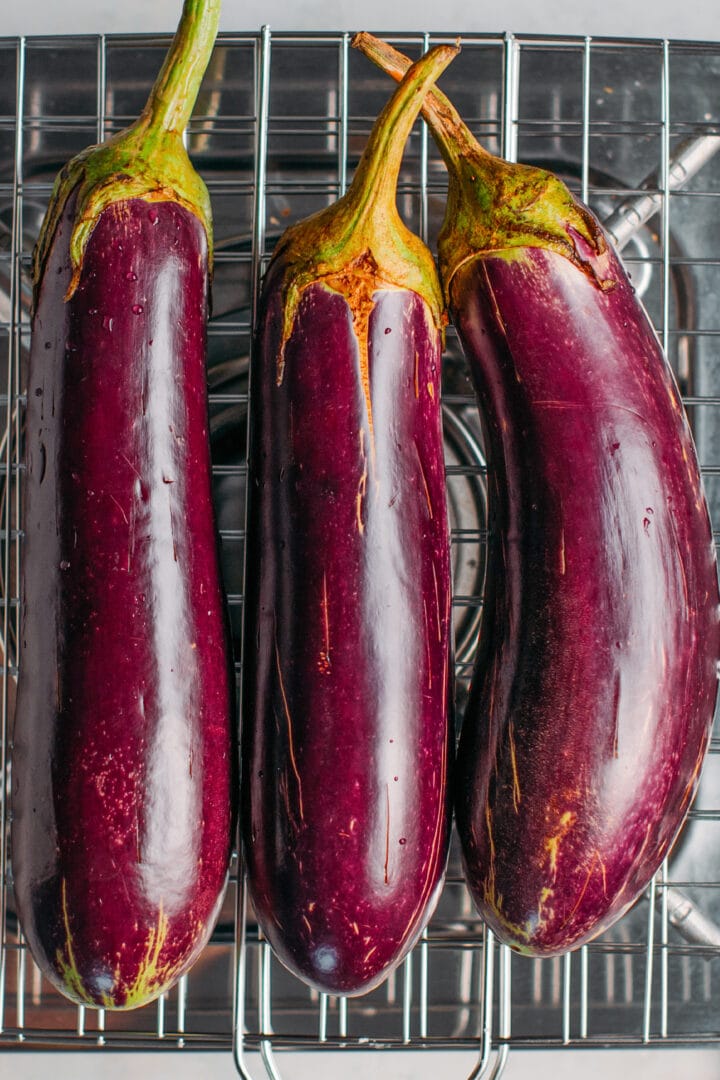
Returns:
(634, 127)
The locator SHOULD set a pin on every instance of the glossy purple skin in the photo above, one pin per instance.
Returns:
(594, 688)
(122, 764)
(347, 706)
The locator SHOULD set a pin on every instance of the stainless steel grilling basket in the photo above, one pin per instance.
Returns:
(634, 127)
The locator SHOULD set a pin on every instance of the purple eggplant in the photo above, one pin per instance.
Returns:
(123, 736)
(347, 656)
(594, 687)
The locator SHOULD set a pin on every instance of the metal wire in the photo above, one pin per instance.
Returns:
(267, 145)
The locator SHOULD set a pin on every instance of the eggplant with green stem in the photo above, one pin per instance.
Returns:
(347, 733)
(122, 768)
(594, 687)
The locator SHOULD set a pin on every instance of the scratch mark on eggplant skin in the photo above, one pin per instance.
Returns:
(437, 602)
(131, 539)
(517, 795)
(690, 786)
(130, 465)
(417, 375)
(428, 655)
(324, 662)
(596, 859)
(122, 512)
(683, 579)
(562, 552)
(616, 715)
(283, 789)
(424, 480)
(603, 871)
(488, 826)
(489, 880)
(291, 747)
(362, 485)
(579, 406)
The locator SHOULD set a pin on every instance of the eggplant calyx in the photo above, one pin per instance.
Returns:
(148, 159)
(494, 205)
(360, 244)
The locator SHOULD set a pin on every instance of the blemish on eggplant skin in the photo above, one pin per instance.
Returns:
(326, 958)
(388, 330)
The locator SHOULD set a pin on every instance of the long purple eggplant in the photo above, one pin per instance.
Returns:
(123, 738)
(593, 693)
(347, 657)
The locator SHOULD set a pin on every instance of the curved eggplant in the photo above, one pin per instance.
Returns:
(594, 688)
(123, 743)
(347, 662)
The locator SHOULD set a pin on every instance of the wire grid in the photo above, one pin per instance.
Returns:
(278, 129)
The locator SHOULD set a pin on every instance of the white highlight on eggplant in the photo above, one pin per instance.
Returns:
(395, 641)
(168, 864)
(643, 563)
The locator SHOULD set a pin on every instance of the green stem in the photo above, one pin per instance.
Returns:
(493, 205)
(373, 193)
(171, 101)
(363, 232)
(147, 160)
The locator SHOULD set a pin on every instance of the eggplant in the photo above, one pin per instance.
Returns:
(594, 687)
(347, 666)
(123, 756)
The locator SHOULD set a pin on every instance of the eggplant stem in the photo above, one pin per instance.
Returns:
(172, 98)
(360, 243)
(374, 188)
(147, 160)
(447, 126)
(493, 205)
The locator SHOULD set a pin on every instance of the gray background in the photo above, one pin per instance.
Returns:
(622, 18)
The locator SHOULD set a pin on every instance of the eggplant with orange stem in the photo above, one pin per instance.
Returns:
(347, 732)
